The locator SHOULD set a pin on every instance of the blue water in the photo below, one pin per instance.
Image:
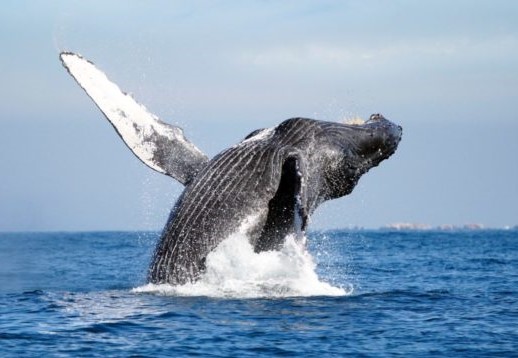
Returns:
(413, 294)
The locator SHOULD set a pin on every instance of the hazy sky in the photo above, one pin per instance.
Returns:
(447, 71)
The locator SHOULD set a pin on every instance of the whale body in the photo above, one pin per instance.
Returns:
(272, 181)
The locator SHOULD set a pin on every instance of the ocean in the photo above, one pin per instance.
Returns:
(352, 293)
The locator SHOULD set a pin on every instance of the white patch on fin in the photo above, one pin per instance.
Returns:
(139, 128)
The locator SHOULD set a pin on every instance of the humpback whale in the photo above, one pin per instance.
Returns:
(273, 180)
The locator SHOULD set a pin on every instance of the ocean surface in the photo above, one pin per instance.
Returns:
(353, 293)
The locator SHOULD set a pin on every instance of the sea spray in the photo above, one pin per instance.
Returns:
(234, 270)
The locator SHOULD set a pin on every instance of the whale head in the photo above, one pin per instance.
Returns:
(354, 149)
(376, 140)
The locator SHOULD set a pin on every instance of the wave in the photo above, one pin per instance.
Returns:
(234, 270)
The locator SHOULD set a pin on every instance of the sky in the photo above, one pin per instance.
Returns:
(446, 71)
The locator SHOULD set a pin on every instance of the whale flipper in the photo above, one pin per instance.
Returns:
(159, 145)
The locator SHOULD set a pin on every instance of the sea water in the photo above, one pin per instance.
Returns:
(359, 293)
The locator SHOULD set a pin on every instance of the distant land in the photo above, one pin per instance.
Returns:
(446, 227)
(405, 226)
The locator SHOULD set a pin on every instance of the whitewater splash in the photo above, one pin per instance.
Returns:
(234, 270)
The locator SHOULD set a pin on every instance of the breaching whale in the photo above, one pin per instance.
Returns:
(273, 180)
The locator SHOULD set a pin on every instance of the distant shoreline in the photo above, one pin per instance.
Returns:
(441, 228)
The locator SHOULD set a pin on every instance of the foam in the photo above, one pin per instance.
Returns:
(234, 270)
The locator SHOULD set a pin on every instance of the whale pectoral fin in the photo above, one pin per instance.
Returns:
(159, 145)
(287, 209)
